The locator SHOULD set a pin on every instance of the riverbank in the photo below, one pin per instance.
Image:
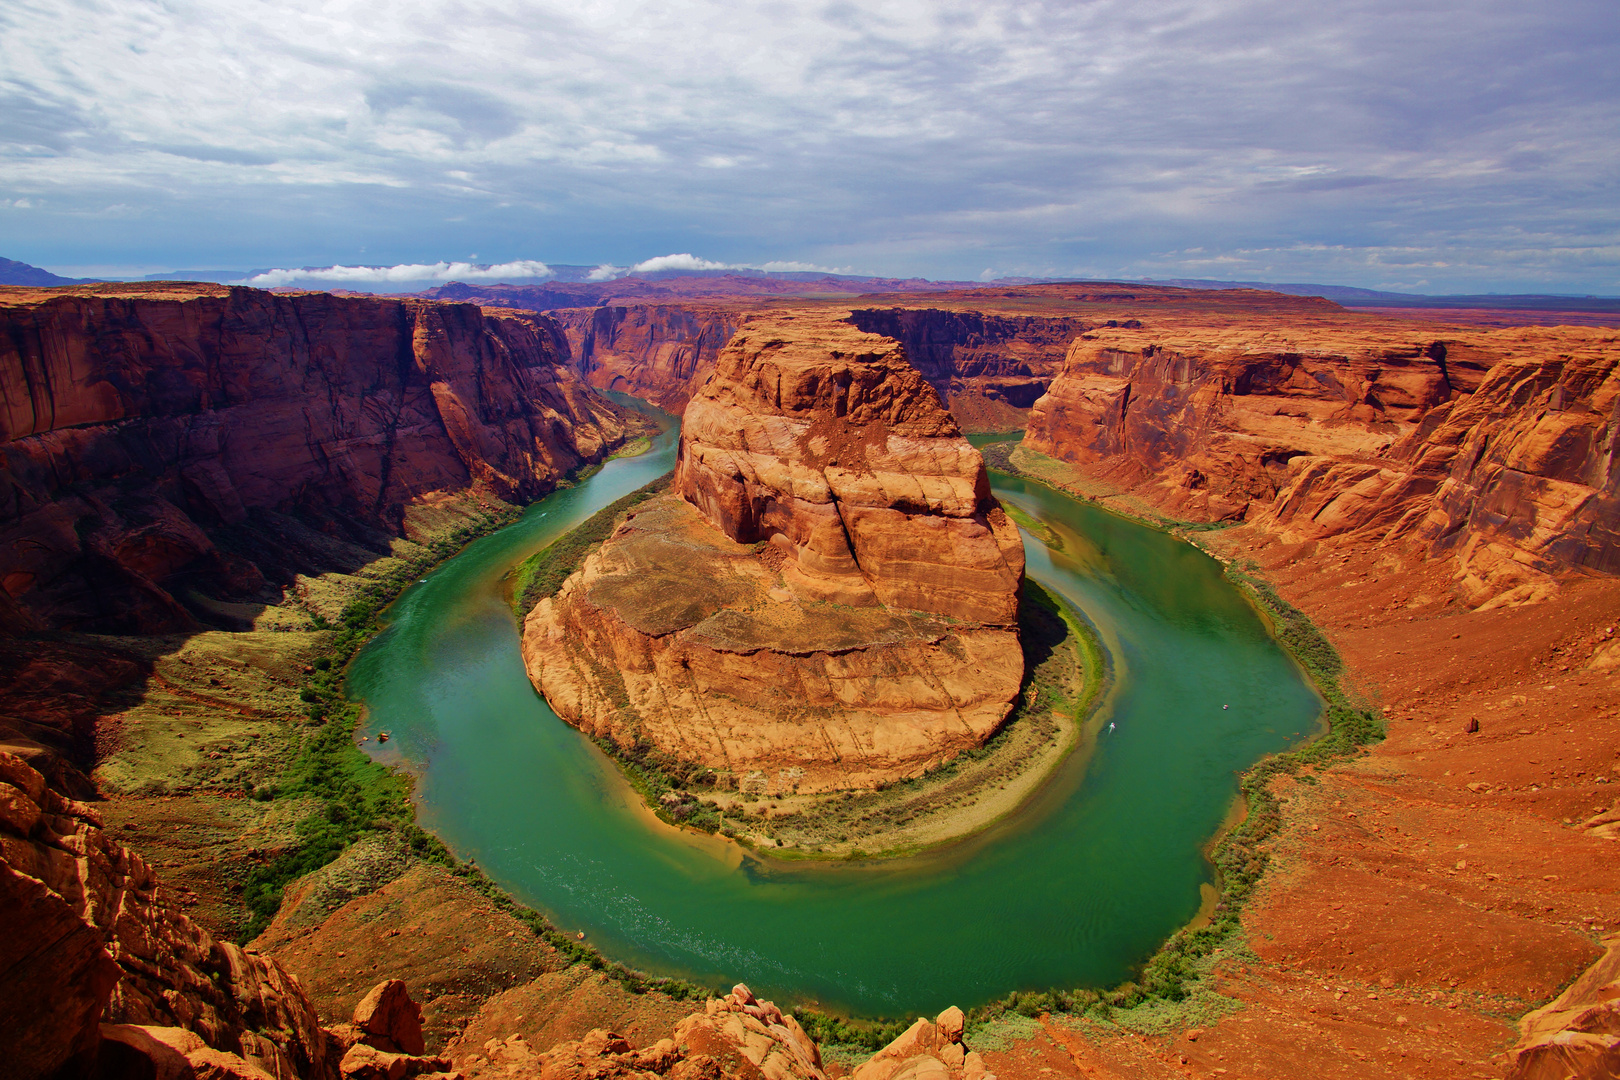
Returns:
(1057, 715)
(1401, 917)
(236, 771)
(1065, 673)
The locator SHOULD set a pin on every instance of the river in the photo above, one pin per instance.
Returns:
(1076, 889)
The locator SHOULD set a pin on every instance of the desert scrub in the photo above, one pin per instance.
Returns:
(867, 1035)
(543, 573)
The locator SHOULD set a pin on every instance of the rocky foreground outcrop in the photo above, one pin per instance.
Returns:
(1577, 1034)
(1496, 449)
(828, 597)
(736, 1037)
(140, 425)
(90, 940)
(102, 977)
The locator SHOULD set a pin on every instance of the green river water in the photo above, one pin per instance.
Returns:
(1076, 889)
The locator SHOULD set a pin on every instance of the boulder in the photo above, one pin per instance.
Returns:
(389, 1019)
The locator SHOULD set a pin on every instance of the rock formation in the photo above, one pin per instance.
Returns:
(91, 940)
(1497, 449)
(988, 369)
(928, 1050)
(736, 1037)
(1576, 1036)
(139, 422)
(657, 352)
(828, 599)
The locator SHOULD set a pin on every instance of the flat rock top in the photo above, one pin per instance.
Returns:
(669, 570)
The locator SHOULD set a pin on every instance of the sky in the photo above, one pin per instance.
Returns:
(1410, 145)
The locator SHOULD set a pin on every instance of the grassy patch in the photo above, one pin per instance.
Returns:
(1038, 529)
(632, 449)
(543, 573)
(844, 1033)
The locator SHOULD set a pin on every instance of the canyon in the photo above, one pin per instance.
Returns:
(1438, 497)
(826, 599)
(177, 457)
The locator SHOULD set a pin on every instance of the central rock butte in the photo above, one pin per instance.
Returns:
(826, 599)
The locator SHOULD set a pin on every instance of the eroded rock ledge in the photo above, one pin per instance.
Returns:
(826, 599)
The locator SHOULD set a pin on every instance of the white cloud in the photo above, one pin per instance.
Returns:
(780, 267)
(693, 262)
(678, 262)
(403, 272)
(607, 272)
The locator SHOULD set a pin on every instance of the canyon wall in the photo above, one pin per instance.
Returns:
(660, 353)
(828, 597)
(1497, 448)
(988, 369)
(139, 424)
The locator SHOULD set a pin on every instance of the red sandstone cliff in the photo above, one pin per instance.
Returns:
(828, 441)
(136, 422)
(1497, 447)
(829, 598)
(657, 352)
(988, 369)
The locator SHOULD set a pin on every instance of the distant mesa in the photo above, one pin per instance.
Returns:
(20, 273)
(827, 597)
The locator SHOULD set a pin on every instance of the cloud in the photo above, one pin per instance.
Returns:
(693, 262)
(678, 262)
(607, 272)
(908, 137)
(402, 273)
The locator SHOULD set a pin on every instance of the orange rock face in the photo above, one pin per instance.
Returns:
(735, 1038)
(827, 600)
(657, 352)
(1494, 448)
(137, 422)
(824, 439)
(90, 938)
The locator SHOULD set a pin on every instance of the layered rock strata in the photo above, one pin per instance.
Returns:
(91, 940)
(655, 351)
(989, 369)
(1577, 1034)
(827, 599)
(1497, 449)
(138, 422)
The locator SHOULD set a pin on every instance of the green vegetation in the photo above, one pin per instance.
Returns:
(635, 448)
(1038, 529)
(543, 573)
(358, 797)
(355, 793)
(838, 1031)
